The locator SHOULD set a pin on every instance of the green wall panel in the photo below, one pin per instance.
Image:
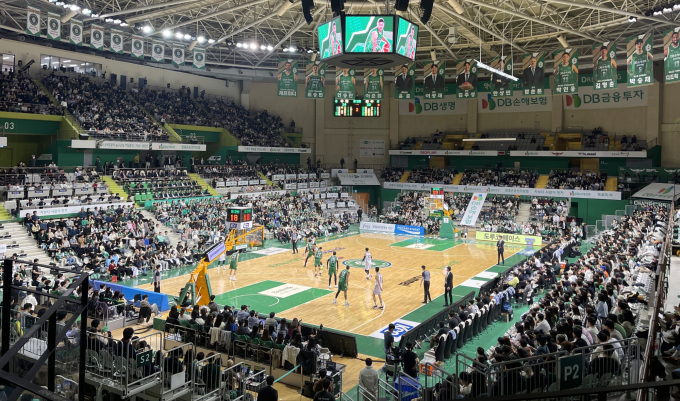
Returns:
(21, 147)
(36, 124)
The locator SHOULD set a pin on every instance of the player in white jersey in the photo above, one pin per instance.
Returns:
(377, 290)
(222, 262)
(367, 264)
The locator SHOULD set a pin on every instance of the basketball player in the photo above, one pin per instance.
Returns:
(318, 266)
(377, 290)
(233, 261)
(367, 264)
(310, 251)
(332, 266)
(343, 284)
(222, 262)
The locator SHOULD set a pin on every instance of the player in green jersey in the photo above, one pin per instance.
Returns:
(233, 261)
(310, 250)
(605, 69)
(315, 82)
(343, 284)
(671, 55)
(287, 78)
(640, 60)
(375, 40)
(345, 85)
(373, 85)
(332, 266)
(566, 71)
(318, 266)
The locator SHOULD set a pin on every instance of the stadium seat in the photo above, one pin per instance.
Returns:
(460, 341)
(449, 346)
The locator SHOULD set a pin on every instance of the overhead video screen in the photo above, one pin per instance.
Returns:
(369, 33)
(407, 38)
(330, 38)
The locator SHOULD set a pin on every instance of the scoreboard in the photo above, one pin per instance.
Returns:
(240, 218)
(437, 193)
(356, 108)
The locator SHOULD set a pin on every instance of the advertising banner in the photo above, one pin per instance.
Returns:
(518, 102)
(265, 149)
(514, 239)
(287, 80)
(358, 179)
(124, 145)
(404, 81)
(474, 208)
(661, 192)
(420, 106)
(578, 153)
(604, 66)
(54, 211)
(372, 148)
(590, 98)
(178, 146)
(391, 228)
(315, 80)
(639, 59)
(445, 152)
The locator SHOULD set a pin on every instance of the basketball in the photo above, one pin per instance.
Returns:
(466, 86)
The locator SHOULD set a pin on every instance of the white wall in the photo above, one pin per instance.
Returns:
(155, 76)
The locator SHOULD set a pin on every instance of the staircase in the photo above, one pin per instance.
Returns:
(4, 214)
(457, 178)
(114, 188)
(165, 127)
(264, 177)
(524, 213)
(612, 184)
(542, 180)
(27, 249)
(404, 177)
(174, 237)
(203, 184)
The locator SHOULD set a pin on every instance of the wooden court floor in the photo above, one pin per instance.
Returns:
(401, 291)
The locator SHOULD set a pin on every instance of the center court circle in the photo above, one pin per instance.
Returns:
(359, 264)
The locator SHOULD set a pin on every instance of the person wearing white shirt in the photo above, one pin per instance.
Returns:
(542, 325)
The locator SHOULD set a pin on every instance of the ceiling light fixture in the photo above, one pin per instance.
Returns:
(94, 15)
(211, 41)
(201, 39)
(496, 71)
(179, 35)
(117, 21)
(239, 45)
(86, 11)
(632, 19)
(270, 47)
(187, 36)
(253, 45)
(108, 20)
(147, 29)
(167, 33)
(74, 7)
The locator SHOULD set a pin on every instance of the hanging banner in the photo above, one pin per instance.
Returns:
(474, 208)
(287, 78)
(345, 80)
(500, 85)
(177, 54)
(137, 46)
(374, 82)
(97, 37)
(639, 59)
(433, 79)
(466, 80)
(199, 58)
(315, 80)
(75, 36)
(604, 66)
(516, 102)
(158, 51)
(53, 26)
(589, 98)
(533, 73)
(671, 56)
(33, 21)
(404, 83)
(116, 41)
(565, 62)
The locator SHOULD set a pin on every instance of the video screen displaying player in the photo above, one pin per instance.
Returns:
(407, 38)
(330, 38)
(369, 34)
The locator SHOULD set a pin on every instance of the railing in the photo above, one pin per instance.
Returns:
(189, 138)
(577, 129)
(33, 108)
(124, 136)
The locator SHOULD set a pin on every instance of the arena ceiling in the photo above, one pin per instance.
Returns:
(499, 26)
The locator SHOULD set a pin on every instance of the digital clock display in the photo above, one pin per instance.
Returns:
(437, 191)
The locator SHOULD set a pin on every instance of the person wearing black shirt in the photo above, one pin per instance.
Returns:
(324, 395)
(500, 245)
(410, 360)
(268, 393)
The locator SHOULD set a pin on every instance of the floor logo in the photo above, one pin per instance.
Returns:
(401, 327)
(360, 265)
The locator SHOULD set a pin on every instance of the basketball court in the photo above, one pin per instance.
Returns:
(272, 279)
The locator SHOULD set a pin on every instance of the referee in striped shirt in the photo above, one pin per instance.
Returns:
(425, 279)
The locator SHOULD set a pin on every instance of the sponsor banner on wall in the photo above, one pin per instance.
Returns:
(515, 239)
(433, 107)
(264, 149)
(515, 103)
(445, 152)
(567, 193)
(75, 36)
(80, 144)
(473, 209)
(662, 192)
(291, 176)
(257, 194)
(577, 153)
(54, 211)
(358, 179)
(372, 148)
(53, 26)
(589, 98)
(391, 228)
(336, 171)
(177, 146)
(124, 145)
(325, 175)
(278, 177)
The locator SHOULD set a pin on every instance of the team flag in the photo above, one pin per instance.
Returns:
(53, 26)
